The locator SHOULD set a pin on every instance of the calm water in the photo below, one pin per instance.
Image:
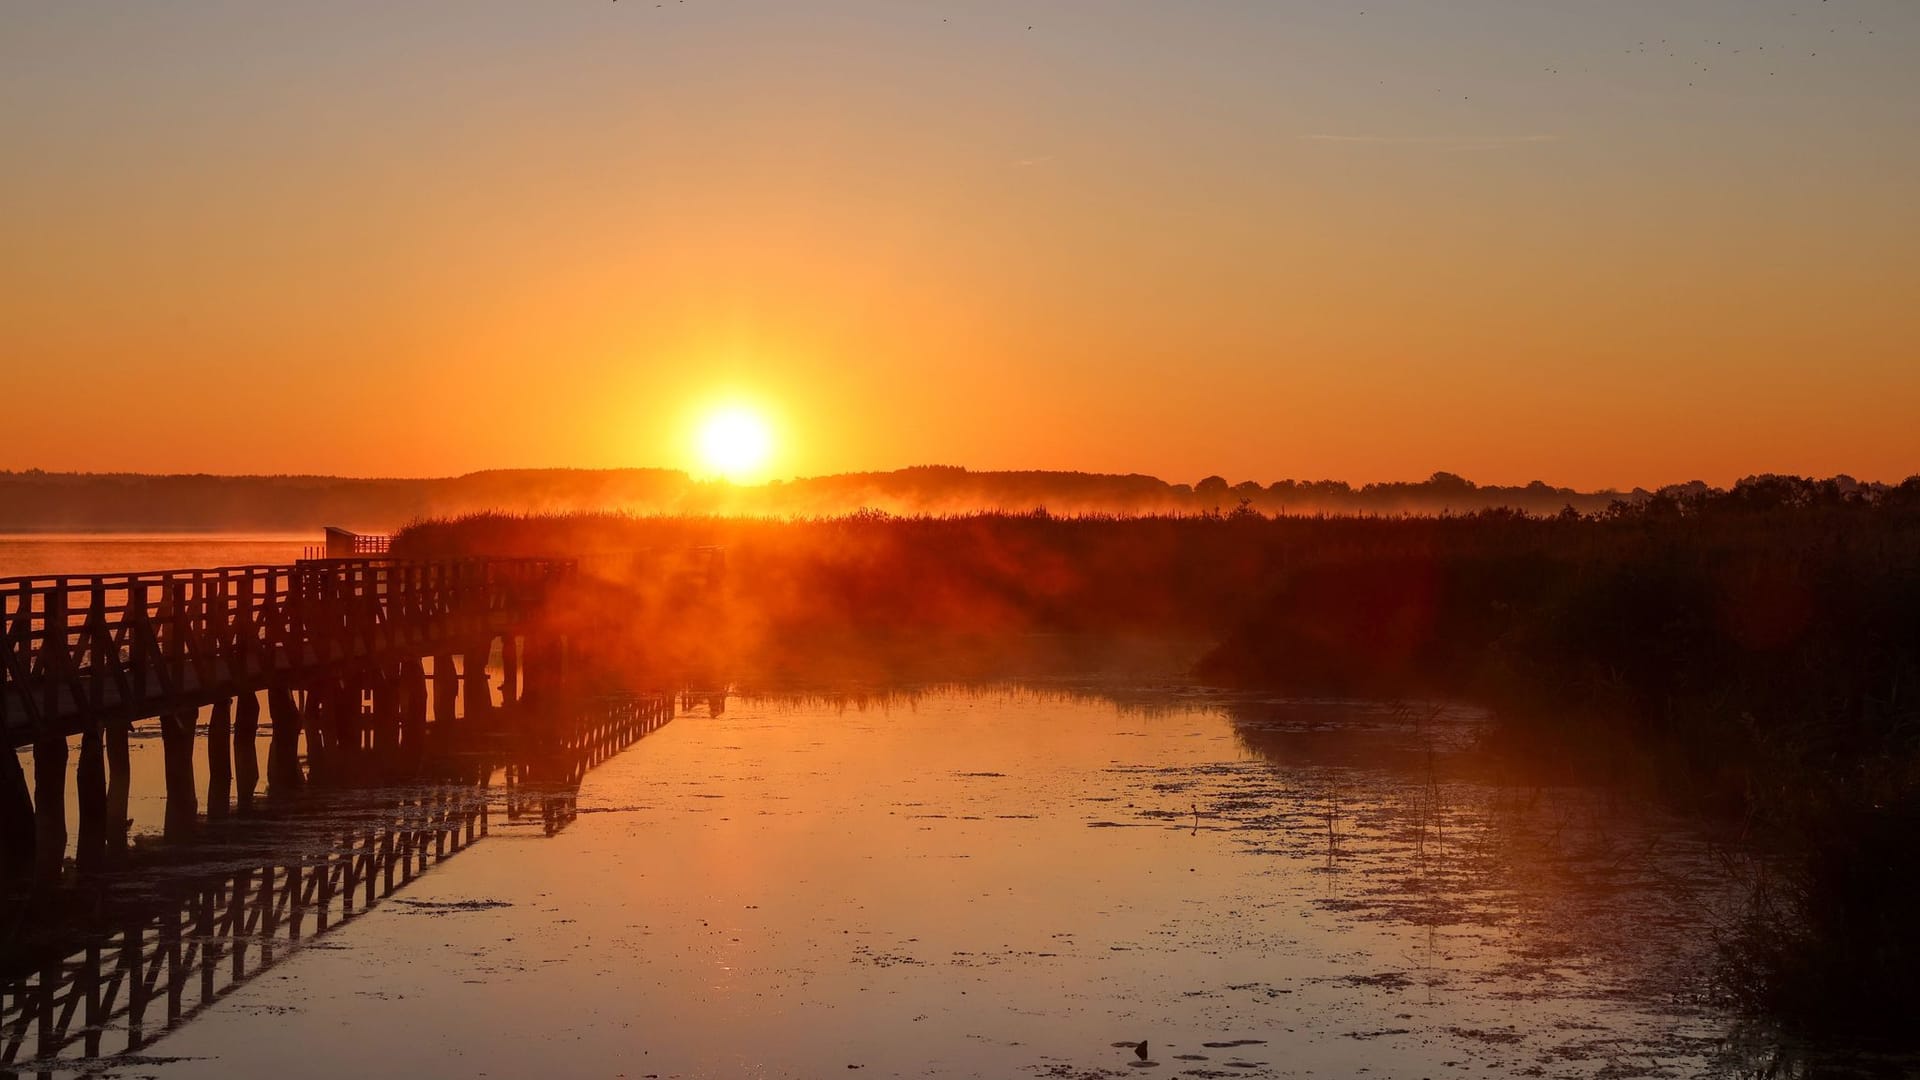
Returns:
(1009, 882)
(24, 554)
(994, 882)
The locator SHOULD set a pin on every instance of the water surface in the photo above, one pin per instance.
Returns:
(33, 554)
(1016, 882)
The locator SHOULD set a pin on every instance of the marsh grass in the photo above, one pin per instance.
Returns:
(1825, 939)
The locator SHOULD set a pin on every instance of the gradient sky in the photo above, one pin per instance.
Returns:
(1606, 242)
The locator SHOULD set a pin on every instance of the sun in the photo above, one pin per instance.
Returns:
(735, 442)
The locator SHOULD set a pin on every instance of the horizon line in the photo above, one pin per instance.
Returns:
(690, 477)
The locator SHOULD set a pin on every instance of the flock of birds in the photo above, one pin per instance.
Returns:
(1699, 55)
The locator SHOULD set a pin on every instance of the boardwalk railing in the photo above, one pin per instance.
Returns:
(126, 646)
(119, 978)
(164, 966)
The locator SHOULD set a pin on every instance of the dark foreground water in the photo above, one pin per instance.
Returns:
(1009, 882)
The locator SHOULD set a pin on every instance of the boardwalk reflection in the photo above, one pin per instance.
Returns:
(138, 955)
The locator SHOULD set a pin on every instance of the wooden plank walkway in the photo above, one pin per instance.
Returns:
(76, 650)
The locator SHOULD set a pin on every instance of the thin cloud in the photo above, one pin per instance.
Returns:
(1439, 142)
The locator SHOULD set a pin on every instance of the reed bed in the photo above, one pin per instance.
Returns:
(1753, 655)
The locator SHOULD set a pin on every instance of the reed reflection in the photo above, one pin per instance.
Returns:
(1473, 872)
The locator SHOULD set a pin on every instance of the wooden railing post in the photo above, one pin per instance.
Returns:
(173, 647)
(140, 641)
(10, 654)
(97, 654)
(55, 660)
(246, 632)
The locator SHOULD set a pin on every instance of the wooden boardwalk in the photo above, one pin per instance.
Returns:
(347, 653)
(75, 649)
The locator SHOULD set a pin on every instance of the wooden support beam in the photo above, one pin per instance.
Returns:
(219, 757)
(477, 693)
(176, 743)
(533, 672)
(16, 819)
(119, 786)
(510, 668)
(49, 808)
(446, 689)
(90, 775)
(389, 706)
(316, 717)
(246, 762)
(316, 721)
(413, 725)
(283, 749)
(346, 720)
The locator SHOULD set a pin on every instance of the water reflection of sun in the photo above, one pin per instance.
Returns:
(735, 442)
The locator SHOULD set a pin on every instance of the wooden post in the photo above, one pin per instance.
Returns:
(176, 743)
(283, 749)
(49, 807)
(219, 757)
(342, 731)
(446, 688)
(530, 671)
(414, 724)
(119, 785)
(316, 719)
(510, 668)
(389, 706)
(55, 660)
(16, 818)
(478, 695)
(90, 852)
(246, 727)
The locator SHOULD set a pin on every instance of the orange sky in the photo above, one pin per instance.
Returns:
(1599, 244)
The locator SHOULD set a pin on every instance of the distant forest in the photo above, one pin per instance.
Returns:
(36, 501)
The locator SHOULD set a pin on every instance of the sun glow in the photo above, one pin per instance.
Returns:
(735, 442)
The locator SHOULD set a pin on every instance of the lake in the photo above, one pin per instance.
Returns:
(990, 880)
(30, 554)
